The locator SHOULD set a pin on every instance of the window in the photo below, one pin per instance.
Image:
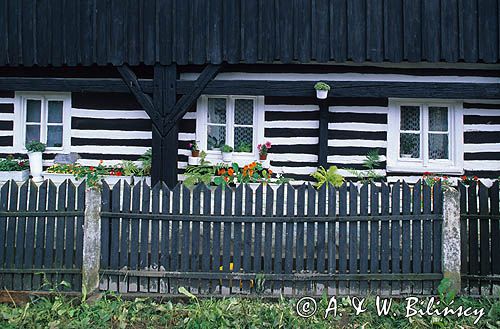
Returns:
(45, 118)
(425, 136)
(232, 120)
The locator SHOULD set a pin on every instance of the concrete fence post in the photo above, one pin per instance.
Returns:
(451, 238)
(91, 241)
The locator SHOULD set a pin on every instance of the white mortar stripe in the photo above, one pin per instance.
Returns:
(109, 114)
(357, 126)
(359, 109)
(486, 147)
(7, 101)
(482, 112)
(293, 157)
(110, 149)
(111, 134)
(481, 165)
(293, 170)
(6, 133)
(292, 108)
(351, 159)
(482, 127)
(7, 116)
(189, 116)
(356, 143)
(94, 162)
(292, 140)
(6, 149)
(292, 124)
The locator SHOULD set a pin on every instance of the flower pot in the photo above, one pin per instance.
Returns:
(112, 180)
(227, 156)
(262, 156)
(139, 179)
(17, 176)
(195, 154)
(36, 165)
(58, 178)
(321, 94)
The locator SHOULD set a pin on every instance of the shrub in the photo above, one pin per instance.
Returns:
(11, 164)
(371, 161)
(35, 146)
(226, 148)
(321, 86)
(330, 176)
(146, 160)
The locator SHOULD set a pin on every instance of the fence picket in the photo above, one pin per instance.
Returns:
(49, 233)
(374, 238)
(134, 238)
(206, 256)
(165, 257)
(268, 240)
(484, 234)
(332, 241)
(343, 252)
(114, 243)
(105, 234)
(289, 234)
(216, 243)
(395, 236)
(69, 253)
(406, 238)
(247, 237)
(237, 231)
(278, 238)
(11, 235)
(20, 238)
(186, 233)
(125, 237)
(427, 237)
(464, 236)
(353, 237)
(60, 225)
(155, 237)
(30, 236)
(495, 226)
(417, 236)
(257, 251)
(363, 236)
(195, 237)
(311, 229)
(385, 251)
(226, 260)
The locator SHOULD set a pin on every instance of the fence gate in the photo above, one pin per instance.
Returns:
(267, 240)
(41, 236)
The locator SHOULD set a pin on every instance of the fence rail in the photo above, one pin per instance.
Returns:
(480, 237)
(351, 240)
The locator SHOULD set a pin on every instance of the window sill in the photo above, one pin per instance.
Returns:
(413, 168)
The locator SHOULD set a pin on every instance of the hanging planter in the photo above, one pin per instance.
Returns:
(322, 89)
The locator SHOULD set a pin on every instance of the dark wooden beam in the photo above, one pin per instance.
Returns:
(165, 143)
(381, 89)
(70, 84)
(191, 96)
(323, 133)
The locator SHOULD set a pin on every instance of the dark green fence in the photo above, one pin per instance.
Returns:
(288, 240)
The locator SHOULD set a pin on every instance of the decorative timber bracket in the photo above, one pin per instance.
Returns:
(166, 112)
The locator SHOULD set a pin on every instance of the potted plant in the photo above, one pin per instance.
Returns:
(35, 150)
(407, 146)
(263, 149)
(16, 169)
(322, 89)
(227, 152)
(195, 151)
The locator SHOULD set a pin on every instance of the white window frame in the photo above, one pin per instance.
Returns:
(453, 165)
(202, 127)
(20, 119)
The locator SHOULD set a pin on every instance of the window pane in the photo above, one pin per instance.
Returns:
(438, 146)
(409, 146)
(54, 136)
(217, 110)
(32, 133)
(243, 111)
(33, 110)
(55, 112)
(243, 137)
(410, 118)
(216, 137)
(438, 118)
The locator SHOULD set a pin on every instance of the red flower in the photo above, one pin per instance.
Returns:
(427, 173)
(118, 173)
(91, 168)
(21, 163)
(445, 177)
(475, 178)
(463, 177)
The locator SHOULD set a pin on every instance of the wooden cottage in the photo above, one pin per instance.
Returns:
(417, 80)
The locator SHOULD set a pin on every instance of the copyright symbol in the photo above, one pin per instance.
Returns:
(306, 307)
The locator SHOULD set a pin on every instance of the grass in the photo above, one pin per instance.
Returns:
(111, 311)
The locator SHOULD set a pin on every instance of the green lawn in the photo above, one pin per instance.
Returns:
(112, 312)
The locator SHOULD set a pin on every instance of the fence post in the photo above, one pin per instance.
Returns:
(91, 241)
(451, 238)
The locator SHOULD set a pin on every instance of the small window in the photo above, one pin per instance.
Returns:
(231, 120)
(44, 118)
(424, 137)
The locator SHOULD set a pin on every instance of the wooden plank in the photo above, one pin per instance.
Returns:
(106, 200)
(215, 44)
(237, 232)
(437, 228)
(464, 236)
(473, 237)
(20, 236)
(60, 228)
(488, 30)
(28, 29)
(374, 237)
(134, 32)
(323, 134)
(114, 236)
(338, 30)
(268, 239)
(69, 246)
(406, 238)
(322, 256)
(185, 234)
(412, 26)
(43, 19)
(268, 30)
(102, 32)
(310, 229)
(300, 236)
(149, 32)
(195, 263)
(285, 26)
(449, 31)
(417, 235)
(353, 237)
(124, 237)
(226, 240)
(249, 29)
(257, 251)
(302, 30)
(374, 30)
(231, 31)
(134, 238)
(216, 237)
(48, 261)
(86, 25)
(165, 25)
(199, 31)
(321, 20)
(40, 234)
(393, 30)
(248, 239)
(289, 234)
(427, 238)
(385, 251)
(206, 256)
(30, 235)
(80, 206)
(484, 235)
(356, 31)
(11, 234)
(468, 30)
(431, 30)
(181, 41)
(364, 251)
(343, 252)
(278, 237)
(495, 226)
(117, 32)
(165, 251)
(396, 236)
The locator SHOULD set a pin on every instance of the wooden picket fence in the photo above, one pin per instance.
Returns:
(41, 236)
(480, 237)
(288, 240)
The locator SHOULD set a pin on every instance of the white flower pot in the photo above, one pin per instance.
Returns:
(145, 179)
(58, 178)
(17, 176)
(321, 94)
(227, 157)
(112, 180)
(36, 165)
